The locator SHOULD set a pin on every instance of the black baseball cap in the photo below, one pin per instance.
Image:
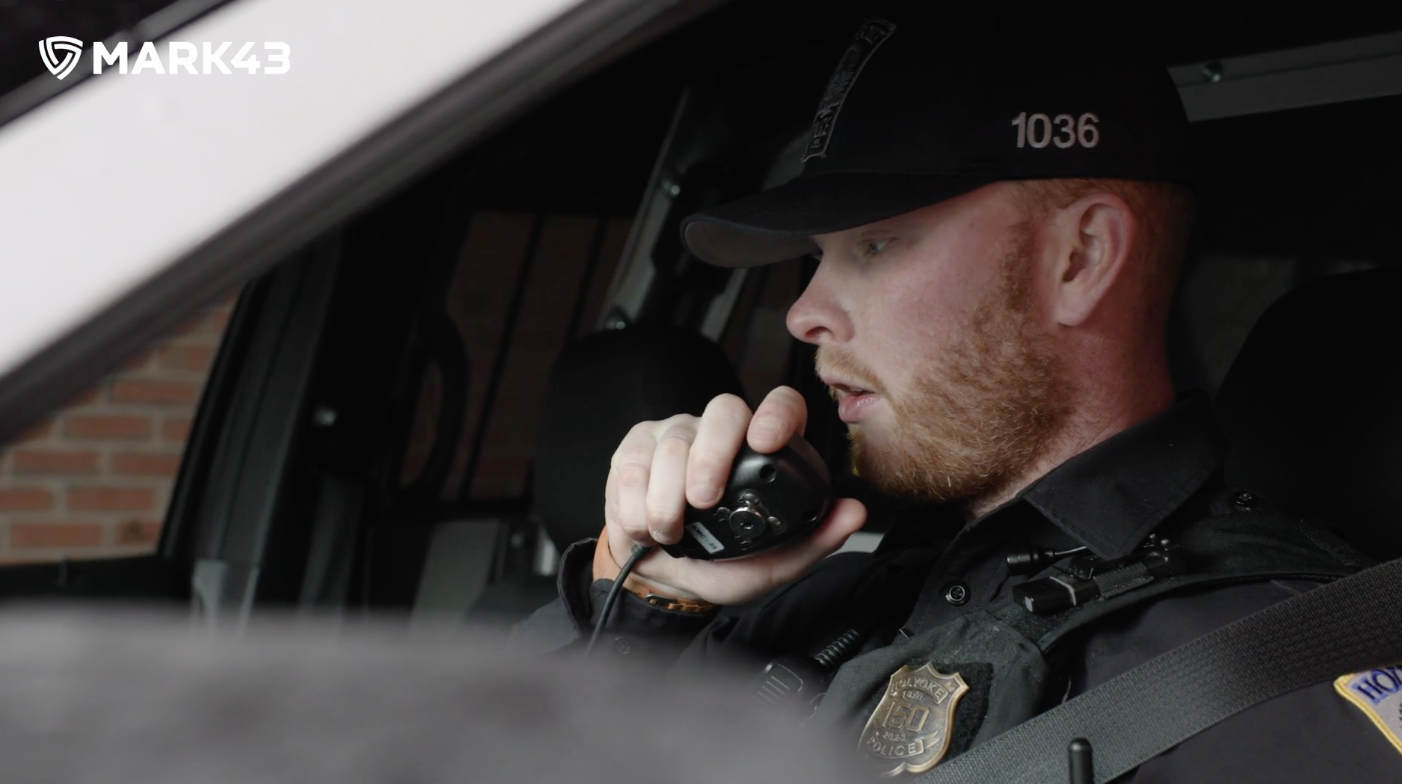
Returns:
(919, 111)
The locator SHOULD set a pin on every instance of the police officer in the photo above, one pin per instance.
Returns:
(1000, 206)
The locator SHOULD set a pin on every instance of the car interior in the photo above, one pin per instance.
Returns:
(412, 415)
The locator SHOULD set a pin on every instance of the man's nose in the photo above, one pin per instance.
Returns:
(818, 315)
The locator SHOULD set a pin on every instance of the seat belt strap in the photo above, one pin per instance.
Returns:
(1347, 626)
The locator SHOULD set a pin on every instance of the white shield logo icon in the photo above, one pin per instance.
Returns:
(49, 50)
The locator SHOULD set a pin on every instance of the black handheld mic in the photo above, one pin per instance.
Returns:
(768, 500)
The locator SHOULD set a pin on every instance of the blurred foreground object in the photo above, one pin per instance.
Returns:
(89, 697)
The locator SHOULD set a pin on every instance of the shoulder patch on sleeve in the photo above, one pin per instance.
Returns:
(1378, 693)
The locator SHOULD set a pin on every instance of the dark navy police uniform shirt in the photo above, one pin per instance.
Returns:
(1163, 471)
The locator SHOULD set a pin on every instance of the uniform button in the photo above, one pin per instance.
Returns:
(956, 594)
(622, 646)
(1245, 500)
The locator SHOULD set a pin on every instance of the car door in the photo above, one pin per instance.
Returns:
(219, 179)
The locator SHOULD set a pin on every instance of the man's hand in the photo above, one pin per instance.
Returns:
(660, 467)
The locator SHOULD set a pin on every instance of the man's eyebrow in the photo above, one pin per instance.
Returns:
(881, 227)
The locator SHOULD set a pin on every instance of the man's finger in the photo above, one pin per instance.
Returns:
(782, 414)
(630, 475)
(718, 439)
(666, 489)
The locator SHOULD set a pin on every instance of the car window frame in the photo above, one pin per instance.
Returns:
(83, 336)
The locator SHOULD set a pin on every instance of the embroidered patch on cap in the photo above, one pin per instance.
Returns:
(1379, 695)
(871, 35)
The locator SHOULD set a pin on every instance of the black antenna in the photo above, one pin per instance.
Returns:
(1082, 770)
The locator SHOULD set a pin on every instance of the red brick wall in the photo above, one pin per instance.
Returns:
(94, 479)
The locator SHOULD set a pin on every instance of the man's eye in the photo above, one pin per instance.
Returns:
(874, 247)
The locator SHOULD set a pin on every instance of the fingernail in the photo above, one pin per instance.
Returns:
(767, 429)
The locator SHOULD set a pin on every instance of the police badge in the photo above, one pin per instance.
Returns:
(911, 724)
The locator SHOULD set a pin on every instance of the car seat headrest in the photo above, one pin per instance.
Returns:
(1313, 407)
(599, 388)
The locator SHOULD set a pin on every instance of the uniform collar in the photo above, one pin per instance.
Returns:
(1112, 495)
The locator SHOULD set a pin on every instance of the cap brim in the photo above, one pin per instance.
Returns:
(779, 223)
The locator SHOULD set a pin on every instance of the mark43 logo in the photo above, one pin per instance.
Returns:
(60, 65)
(61, 54)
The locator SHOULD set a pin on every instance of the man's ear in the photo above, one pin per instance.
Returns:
(1089, 243)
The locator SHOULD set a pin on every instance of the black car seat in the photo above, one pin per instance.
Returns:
(1312, 407)
(599, 388)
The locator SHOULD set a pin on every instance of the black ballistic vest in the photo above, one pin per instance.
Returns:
(1011, 658)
